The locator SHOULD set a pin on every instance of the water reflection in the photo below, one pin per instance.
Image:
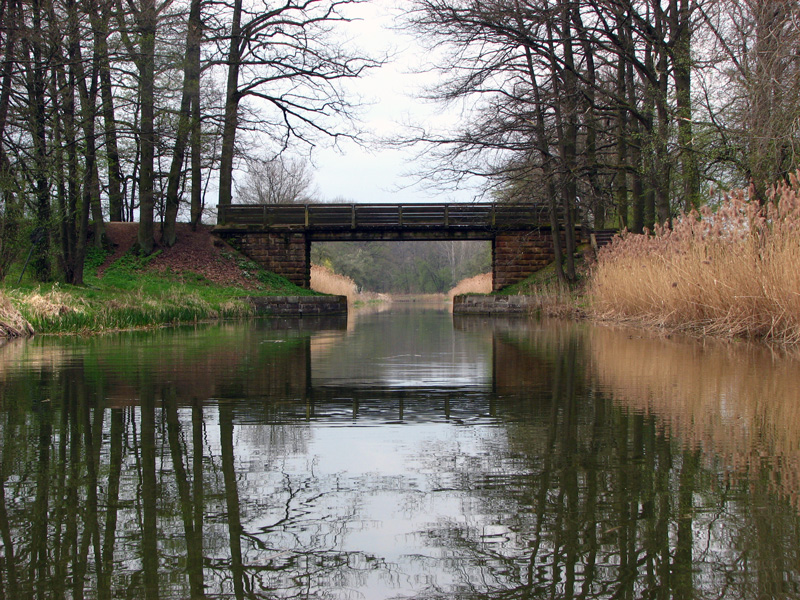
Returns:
(260, 461)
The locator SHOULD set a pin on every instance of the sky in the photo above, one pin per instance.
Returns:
(384, 174)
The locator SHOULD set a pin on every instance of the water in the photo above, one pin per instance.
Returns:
(406, 454)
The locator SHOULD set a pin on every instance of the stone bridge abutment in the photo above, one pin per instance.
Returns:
(287, 254)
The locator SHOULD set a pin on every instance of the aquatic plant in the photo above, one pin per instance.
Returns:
(734, 271)
(326, 281)
(480, 284)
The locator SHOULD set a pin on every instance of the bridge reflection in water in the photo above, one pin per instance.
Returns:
(271, 461)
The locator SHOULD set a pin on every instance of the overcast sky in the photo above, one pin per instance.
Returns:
(381, 174)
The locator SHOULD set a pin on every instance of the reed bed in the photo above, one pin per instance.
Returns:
(733, 272)
(326, 281)
(480, 284)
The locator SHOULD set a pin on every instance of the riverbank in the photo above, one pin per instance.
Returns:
(198, 279)
(538, 295)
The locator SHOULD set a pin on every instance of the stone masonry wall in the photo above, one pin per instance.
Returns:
(287, 254)
(479, 304)
(518, 254)
(300, 305)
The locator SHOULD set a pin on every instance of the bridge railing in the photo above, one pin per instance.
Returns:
(384, 216)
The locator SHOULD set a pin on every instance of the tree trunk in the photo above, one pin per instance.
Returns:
(635, 154)
(36, 91)
(65, 141)
(196, 161)
(231, 118)
(191, 87)
(569, 143)
(621, 168)
(115, 196)
(648, 137)
(662, 164)
(589, 110)
(147, 22)
(197, 149)
(9, 223)
(682, 69)
(545, 159)
(91, 185)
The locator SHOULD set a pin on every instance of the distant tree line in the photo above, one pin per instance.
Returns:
(415, 267)
(112, 110)
(615, 112)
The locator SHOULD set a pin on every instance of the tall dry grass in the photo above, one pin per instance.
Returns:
(12, 323)
(734, 272)
(480, 284)
(326, 281)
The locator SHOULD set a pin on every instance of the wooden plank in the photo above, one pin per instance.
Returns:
(336, 216)
(377, 215)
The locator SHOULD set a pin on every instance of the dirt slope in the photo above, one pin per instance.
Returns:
(195, 251)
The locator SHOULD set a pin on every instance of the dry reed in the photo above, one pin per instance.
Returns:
(12, 323)
(326, 281)
(734, 272)
(52, 303)
(480, 284)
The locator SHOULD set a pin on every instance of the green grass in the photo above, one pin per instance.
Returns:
(128, 296)
(553, 298)
(542, 281)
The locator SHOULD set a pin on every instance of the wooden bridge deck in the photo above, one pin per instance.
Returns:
(333, 217)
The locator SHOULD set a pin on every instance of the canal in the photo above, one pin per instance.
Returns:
(403, 454)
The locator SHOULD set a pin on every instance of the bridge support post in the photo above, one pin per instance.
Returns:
(517, 254)
(285, 253)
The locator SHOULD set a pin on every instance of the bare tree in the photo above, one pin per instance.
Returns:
(286, 57)
(587, 105)
(751, 94)
(276, 181)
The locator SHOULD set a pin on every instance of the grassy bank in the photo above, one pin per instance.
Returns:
(552, 298)
(734, 272)
(129, 294)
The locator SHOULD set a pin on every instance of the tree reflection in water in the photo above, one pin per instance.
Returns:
(209, 488)
(589, 502)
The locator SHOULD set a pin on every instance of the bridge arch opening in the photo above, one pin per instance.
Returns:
(405, 266)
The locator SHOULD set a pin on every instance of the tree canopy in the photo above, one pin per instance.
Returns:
(129, 109)
(618, 112)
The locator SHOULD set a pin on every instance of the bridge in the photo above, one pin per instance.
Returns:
(279, 236)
